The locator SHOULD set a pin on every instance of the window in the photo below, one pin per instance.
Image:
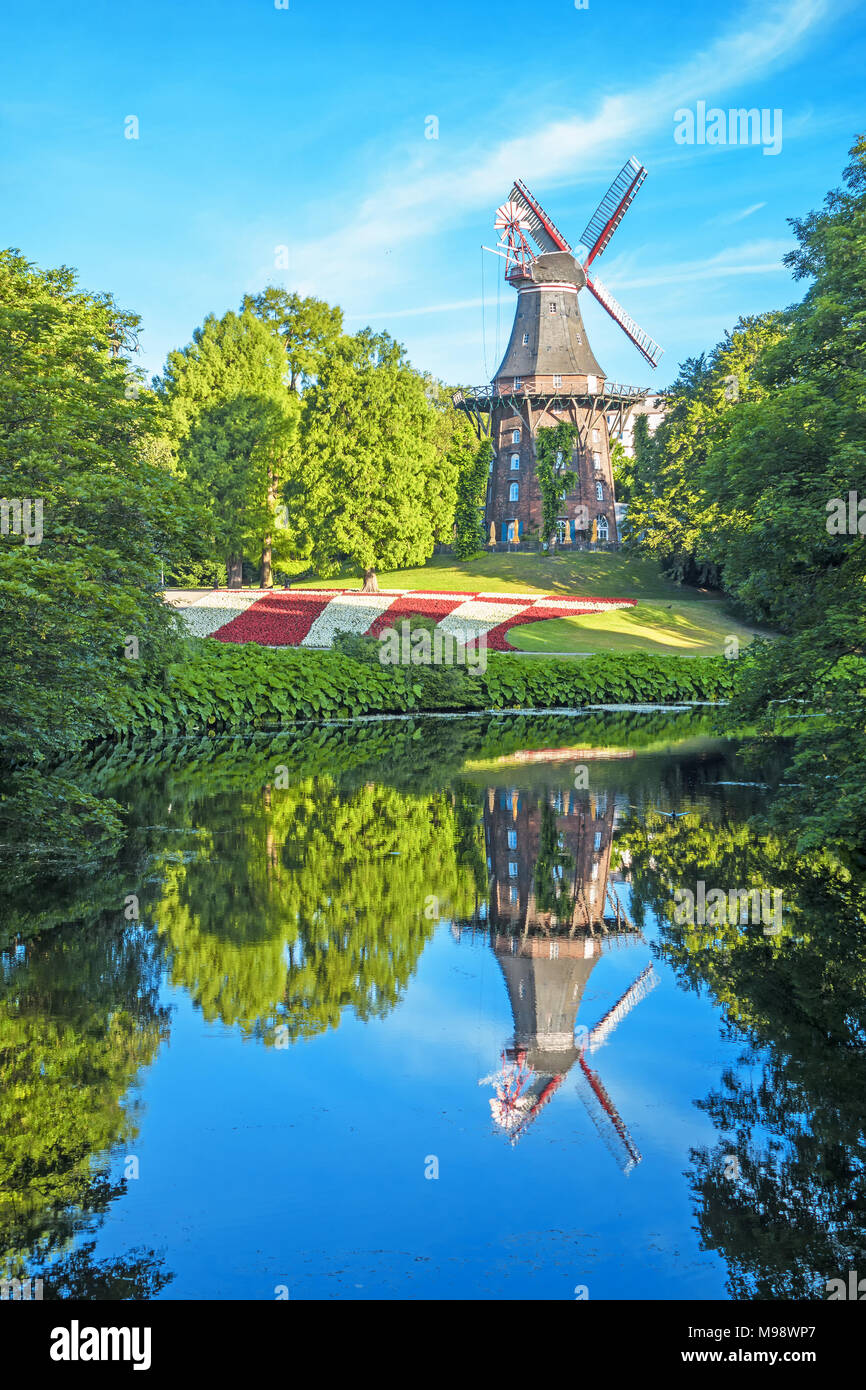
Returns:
(599, 492)
(515, 462)
(595, 436)
(512, 839)
(597, 843)
(562, 530)
(518, 382)
(592, 384)
(514, 493)
(512, 868)
(514, 897)
(592, 893)
(594, 871)
(596, 461)
(526, 340)
(601, 805)
(557, 381)
(515, 436)
(602, 528)
(559, 457)
(551, 308)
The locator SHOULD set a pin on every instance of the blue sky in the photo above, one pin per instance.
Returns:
(305, 127)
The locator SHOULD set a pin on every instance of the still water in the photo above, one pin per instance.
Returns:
(402, 1010)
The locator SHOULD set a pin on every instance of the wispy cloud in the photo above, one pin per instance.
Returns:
(728, 219)
(754, 258)
(425, 193)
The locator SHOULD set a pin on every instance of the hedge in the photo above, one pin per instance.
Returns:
(220, 686)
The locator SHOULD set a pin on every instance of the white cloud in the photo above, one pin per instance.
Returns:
(729, 218)
(753, 258)
(422, 195)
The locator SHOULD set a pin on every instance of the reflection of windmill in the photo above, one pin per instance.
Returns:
(549, 373)
(602, 1110)
(546, 978)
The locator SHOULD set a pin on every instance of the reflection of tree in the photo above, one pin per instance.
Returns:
(311, 901)
(782, 1194)
(78, 1019)
(551, 866)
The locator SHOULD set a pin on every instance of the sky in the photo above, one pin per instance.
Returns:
(292, 146)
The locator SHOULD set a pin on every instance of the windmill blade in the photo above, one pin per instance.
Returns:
(542, 228)
(638, 990)
(642, 341)
(612, 209)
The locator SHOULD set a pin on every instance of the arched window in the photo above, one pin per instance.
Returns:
(514, 494)
(515, 462)
(515, 436)
(599, 492)
(602, 528)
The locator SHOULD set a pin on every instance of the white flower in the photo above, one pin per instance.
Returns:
(346, 613)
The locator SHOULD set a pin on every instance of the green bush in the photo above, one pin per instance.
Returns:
(244, 686)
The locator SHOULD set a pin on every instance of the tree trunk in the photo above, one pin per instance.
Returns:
(234, 568)
(371, 583)
(267, 579)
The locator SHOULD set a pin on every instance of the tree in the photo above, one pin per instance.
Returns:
(373, 486)
(234, 422)
(307, 328)
(553, 446)
(473, 471)
(79, 594)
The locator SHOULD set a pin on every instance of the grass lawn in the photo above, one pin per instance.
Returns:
(687, 628)
(606, 574)
(667, 618)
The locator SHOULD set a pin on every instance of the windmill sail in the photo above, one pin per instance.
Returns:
(642, 341)
(612, 209)
(542, 229)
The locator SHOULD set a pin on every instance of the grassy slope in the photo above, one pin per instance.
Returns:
(606, 574)
(668, 618)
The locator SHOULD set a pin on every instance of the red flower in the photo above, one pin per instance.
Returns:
(275, 620)
(409, 604)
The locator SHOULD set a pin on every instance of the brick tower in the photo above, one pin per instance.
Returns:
(550, 375)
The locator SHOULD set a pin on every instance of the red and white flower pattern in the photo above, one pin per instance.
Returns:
(312, 617)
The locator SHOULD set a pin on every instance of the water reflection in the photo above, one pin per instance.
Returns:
(291, 883)
(79, 1018)
(553, 913)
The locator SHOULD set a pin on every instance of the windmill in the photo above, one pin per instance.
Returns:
(549, 373)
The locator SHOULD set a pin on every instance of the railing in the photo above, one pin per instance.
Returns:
(482, 395)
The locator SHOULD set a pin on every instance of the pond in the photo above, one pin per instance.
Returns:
(405, 1009)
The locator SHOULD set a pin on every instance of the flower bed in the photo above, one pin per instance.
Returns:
(312, 617)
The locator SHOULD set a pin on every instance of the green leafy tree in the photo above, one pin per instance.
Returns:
(308, 329)
(77, 601)
(234, 423)
(374, 487)
(554, 447)
(473, 471)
